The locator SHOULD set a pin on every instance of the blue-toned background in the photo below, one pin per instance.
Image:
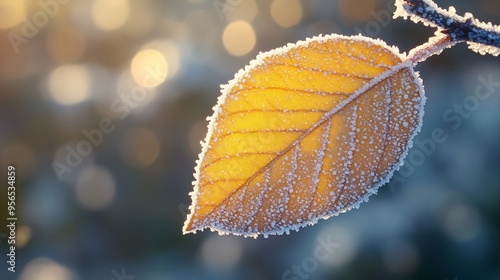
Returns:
(103, 104)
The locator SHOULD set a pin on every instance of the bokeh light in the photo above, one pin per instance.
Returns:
(347, 245)
(45, 269)
(95, 188)
(110, 14)
(23, 235)
(221, 253)
(170, 52)
(239, 38)
(149, 68)
(286, 13)
(11, 13)
(69, 84)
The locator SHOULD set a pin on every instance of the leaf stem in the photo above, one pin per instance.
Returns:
(458, 28)
(434, 46)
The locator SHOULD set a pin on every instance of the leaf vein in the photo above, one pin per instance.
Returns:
(267, 179)
(348, 164)
(293, 111)
(296, 90)
(320, 161)
(237, 155)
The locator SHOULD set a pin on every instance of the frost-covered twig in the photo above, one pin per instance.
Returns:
(434, 46)
(481, 37)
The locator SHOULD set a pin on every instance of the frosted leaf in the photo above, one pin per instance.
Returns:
(305, 132)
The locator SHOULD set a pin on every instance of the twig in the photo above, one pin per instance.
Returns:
(458, 28)
(434, 46)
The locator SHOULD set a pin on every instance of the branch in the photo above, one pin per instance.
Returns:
(459, 28)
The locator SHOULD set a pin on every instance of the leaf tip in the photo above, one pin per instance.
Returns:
(190, 226)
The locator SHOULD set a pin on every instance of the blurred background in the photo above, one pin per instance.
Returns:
(103, 105)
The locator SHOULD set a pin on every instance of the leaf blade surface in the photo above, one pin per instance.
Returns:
(305, 132)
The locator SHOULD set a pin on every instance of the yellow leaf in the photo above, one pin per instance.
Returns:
(305, 132)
